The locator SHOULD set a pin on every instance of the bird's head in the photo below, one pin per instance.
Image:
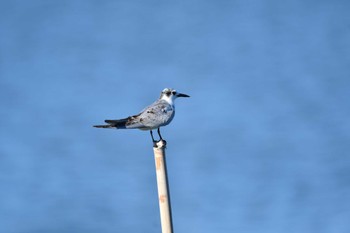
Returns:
(169, 95)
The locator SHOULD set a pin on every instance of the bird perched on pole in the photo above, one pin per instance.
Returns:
(154, 116)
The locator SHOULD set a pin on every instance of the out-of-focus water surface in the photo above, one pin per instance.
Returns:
(261, 146)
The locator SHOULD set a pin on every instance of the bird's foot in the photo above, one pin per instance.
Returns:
(159, 144)
(164, 142)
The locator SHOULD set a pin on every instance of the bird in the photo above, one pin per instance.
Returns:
(158, 114)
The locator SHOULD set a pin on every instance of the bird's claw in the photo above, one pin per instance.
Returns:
(163, 143)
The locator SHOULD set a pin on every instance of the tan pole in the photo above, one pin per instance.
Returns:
(163, 187)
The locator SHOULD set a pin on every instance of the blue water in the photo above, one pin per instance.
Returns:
(261, 146)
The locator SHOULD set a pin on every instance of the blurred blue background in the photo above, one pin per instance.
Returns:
(261, 146)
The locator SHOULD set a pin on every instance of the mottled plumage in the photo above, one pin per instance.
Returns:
(154, 116)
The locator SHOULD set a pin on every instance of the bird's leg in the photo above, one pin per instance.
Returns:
(160, 136)
(152, 136)
(154, 141)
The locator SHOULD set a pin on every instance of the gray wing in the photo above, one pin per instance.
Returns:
(158, 114)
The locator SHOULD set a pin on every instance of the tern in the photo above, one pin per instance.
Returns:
(154, 116)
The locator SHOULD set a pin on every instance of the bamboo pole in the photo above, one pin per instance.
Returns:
(163, 187)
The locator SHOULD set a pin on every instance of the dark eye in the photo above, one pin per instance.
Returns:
(168, 93)
(174, 92)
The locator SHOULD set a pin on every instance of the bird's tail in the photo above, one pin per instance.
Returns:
(119, 124)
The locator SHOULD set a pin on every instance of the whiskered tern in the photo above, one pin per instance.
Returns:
(154, 116)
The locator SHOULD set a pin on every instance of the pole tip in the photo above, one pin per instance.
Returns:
(159, 144)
